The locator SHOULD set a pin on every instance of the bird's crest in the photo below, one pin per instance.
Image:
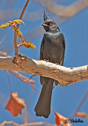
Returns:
(46, 17)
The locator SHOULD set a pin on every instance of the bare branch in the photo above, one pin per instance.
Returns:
(26, 115)
(64, 11)
(62, 74)
(15, 34)
(22, 79)
(27, 124)
(22, 13)
(3, 39)
(9, 81)
(80, 105)
(9, 123)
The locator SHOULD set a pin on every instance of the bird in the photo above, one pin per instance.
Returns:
(52, 50)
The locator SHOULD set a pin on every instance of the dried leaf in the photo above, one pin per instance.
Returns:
(82, 115)
(11, 23)
(19, 34)
(29, 45)
(62, 120)
(18, 21)
(57, 119)
(5, 25)
(15, 104)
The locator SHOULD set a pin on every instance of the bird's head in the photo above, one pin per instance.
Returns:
(49, 24)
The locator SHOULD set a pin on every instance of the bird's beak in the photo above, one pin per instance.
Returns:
(44, 25)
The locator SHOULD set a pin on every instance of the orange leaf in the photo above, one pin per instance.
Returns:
(27, 45)
(57, 119)
(82, 115)
(32, 46)
(62, 120)
(15, 104)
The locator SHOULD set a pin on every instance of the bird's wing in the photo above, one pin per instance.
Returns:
(62, 60)
(41, 49)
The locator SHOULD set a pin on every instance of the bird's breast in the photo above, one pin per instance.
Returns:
(53, 47)
(53, 39)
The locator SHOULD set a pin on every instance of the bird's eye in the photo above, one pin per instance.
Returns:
(50, 23)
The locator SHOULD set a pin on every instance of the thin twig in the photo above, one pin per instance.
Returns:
(82, 102)
(25, 79)
(15, 34)
(15, 43)
(9, 81)
(3, 39)
(28, 124)
(26, 116)
(53, 110)
(80, 105)
(19, 45)
(9, 123)
(22, 13)
(26, 82)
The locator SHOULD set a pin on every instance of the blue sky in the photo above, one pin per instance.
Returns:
(64, 99)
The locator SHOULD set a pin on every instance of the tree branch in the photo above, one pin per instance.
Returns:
(64, 11)
(27, 124)
(15, 34)
(62, 74)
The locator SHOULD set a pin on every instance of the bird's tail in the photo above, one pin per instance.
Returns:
(42, 107)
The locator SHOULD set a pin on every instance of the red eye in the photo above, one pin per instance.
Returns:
(51, 24)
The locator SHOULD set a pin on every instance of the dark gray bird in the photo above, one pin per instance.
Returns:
(52, 50)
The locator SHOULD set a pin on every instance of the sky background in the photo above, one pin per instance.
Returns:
(65, 100)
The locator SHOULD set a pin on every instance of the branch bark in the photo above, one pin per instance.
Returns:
(63, 75)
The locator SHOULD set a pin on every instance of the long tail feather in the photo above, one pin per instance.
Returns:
(43, 105)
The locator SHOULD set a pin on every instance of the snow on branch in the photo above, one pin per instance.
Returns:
(64, 75)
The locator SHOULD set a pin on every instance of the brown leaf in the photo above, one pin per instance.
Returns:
(82, 115)
(62, 120)
(15, 104)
